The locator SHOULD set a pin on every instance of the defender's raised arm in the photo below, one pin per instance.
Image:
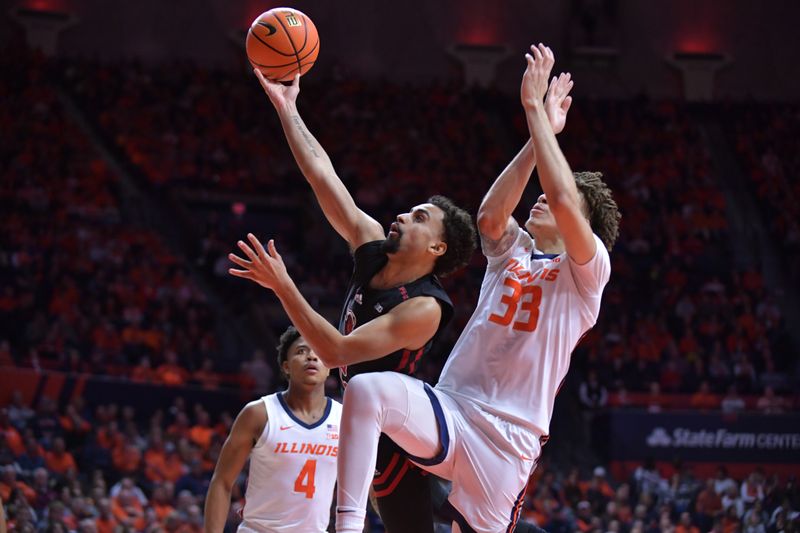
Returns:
(354, 225)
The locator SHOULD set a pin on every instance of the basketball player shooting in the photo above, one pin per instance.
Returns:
(483, 425)
(395, 306)
(292, 440)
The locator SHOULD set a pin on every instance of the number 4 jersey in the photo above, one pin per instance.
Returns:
(292, 471)
(515, 350)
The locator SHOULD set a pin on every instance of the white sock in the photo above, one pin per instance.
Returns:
(350, 519)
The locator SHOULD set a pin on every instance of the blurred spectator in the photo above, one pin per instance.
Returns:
(170, 373)
(18, 412)
(59, 460)
(752, 489)
(592, 393)
(708, 504)
(685, 524)
(769, 403)
(723, 482)
(732, 402)
(703, 399)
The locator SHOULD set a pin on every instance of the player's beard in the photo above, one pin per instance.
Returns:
(390, 245)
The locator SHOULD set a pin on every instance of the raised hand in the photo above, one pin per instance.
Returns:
(534, 81)
(557, 102)
(279, 94)
(265, 267)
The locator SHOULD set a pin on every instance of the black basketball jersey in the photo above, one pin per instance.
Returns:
(364, 303)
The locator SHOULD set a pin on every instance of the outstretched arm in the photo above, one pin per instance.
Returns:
(244, 433)
(353, 224)
(555, 175)
(497, 228)
(407, 326)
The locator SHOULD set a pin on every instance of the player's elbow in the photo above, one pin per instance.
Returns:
(220, 483)
(563, 203)
(330, 360)
(489, 224)
(332, 356)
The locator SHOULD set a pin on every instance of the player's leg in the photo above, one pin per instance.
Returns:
(375, 403)
(399, 488)
(493, 459)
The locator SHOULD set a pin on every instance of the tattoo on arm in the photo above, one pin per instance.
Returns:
(305, 134)
(493, 248)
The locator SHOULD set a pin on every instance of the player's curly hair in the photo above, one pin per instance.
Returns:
(459, 234)
(284, 343)
(603, 212)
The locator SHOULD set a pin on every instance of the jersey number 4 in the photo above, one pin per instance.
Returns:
(517, 299)
(305, 479)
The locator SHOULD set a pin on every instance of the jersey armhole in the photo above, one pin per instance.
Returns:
(267, 427)
(498, 261)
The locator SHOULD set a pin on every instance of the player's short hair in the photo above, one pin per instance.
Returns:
(603, 212)
(284, 343)
(459, 234)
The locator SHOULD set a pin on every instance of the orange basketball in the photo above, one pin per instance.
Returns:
(282, 42)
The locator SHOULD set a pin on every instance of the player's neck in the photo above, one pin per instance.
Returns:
(307, 403)
(550, 244)
(397, 272)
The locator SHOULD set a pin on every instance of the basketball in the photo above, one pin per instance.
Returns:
(282, 42)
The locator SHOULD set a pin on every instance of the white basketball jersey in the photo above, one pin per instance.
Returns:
(292, 471)
(515, 350)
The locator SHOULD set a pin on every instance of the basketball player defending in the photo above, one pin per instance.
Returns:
(292, 439)
(395, 306)
(483, 425)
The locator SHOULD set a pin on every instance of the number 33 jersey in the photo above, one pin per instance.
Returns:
(515, 350)
(292, 471)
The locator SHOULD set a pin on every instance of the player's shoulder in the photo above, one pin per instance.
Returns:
(336, 405)
(601, 255)
(336, 409)
(334, 402)
(368, 252)
(417, 310)
(519, 245)
(256, 410)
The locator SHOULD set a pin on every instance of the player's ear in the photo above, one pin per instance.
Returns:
(439, 248)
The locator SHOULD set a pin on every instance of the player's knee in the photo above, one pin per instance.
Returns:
(363, 390)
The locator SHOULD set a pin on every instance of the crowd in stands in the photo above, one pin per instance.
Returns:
(767, 140)
(651, 501)
(678, 318)
(704, 326)
(114, 469)
(86, 291)
(82, 291)
(104, 470)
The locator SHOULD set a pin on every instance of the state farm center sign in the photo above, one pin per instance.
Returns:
(705, 437)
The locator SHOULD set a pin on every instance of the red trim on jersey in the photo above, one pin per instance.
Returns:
(403, 292)
(415, 361)
(385, 474)
(516, 510)
(396, 481)
(403, 361)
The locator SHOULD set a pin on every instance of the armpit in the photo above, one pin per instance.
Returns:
(495, 247)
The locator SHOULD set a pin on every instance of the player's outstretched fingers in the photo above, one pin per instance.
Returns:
(273, 252)
(256, 245)
(552, 89)
(529, 59)
(239, 261)
(246, 274)
(247, 251)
